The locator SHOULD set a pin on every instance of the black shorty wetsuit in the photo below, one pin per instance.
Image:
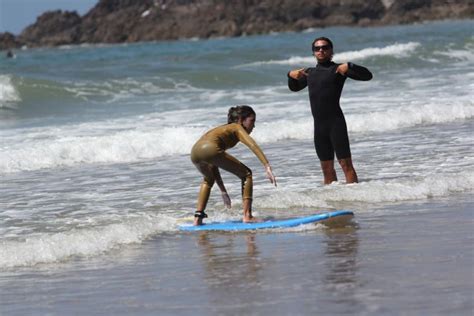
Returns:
(325, 87)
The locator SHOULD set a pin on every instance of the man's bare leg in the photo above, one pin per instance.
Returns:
(328, 171)
(349, 171)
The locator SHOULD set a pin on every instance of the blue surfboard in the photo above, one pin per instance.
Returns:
(344, 216)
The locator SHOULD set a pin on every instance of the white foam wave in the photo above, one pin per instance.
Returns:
(71, 146)
(395, 50)
(126, 146)
(458, 54)
(407, 116)
(8, 93)
(392, 119)
(376, 191)
(49, 248)
(395, 191)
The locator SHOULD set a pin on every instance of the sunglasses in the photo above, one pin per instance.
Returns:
(318, 48)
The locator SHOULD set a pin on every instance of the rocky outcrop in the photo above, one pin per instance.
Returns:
(53, 28)
(9, 41)
(165, 20)
(117, 21)
(410, 11)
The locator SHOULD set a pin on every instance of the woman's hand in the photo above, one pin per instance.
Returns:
(270, 175)
(226, 199)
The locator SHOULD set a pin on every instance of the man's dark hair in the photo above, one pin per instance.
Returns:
(322, 38)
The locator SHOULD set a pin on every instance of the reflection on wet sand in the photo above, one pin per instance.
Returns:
(232, 265)
(340, 275)
(322, 262)
(227, 259)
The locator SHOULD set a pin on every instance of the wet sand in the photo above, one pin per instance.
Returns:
(410, 259)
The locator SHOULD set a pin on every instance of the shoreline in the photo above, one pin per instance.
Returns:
(114, 22)
(196, 39)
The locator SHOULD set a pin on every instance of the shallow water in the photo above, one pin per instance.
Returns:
(414, 259)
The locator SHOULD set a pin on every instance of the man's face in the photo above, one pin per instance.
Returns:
(322, 50)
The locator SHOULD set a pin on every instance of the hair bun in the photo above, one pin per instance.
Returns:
(239, 112)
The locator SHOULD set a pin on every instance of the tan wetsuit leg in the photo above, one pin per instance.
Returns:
(231, 164)
(205, 155)
(206, 184)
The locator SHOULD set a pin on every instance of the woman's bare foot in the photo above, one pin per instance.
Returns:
(252, 219)
(198, 217)
(197, 221)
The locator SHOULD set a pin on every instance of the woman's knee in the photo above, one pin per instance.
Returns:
(208, 181)
(246, 174)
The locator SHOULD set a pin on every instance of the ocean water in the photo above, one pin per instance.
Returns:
(96, 177)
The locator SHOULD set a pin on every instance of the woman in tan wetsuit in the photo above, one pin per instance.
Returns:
(208, 155)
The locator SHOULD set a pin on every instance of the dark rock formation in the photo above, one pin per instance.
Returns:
(8, 41)
(53, 28)
(410, 11)
(116, 21)
(163, 20)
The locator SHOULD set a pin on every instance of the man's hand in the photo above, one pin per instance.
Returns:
(342, 69)
(298, 73)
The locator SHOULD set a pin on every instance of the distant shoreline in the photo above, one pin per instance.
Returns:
(113, 22)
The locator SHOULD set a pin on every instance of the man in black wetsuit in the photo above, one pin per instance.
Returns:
(325, 83)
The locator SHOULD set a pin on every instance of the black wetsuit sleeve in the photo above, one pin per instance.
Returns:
(357, 72)
(296, 85)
